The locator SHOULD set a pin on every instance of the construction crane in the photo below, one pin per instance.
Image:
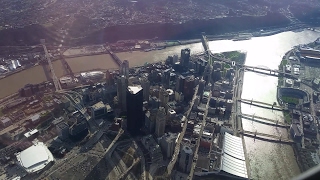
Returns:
(56, 82)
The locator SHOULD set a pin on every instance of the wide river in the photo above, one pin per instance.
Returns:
(267, 160)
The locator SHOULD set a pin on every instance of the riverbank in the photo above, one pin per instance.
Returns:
(305, 147)
(102, 61)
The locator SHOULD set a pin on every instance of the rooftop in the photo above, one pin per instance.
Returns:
(35, 157)
(134, 89)
(30, 133)
(233, 160)
(5, 120)
(97, 106)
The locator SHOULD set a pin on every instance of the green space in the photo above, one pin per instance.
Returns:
(226, 66)
(172, 43)
(236, 56)
(287, 117)
(224, 72)
(280, 81)
(290, 100)
(283, 63)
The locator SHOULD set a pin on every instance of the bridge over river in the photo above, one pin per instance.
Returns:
(264, 120)
(261, 104)
(261, 70)
(266, 137)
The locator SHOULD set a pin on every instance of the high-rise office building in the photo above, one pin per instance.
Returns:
(188, 88)
(208, 71)
(124, 68)
(166, 78)
(168, 143)
(135, 115)
(175, 58)
(122, 84)
(150, 120)
(108, 78)
(164, 97)
(202, 84)
(161, 122)
(185, 57)
(145, 83)
(186, 157)
(180, 83)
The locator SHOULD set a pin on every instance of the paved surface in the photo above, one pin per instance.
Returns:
(177, 148)
(195, 158)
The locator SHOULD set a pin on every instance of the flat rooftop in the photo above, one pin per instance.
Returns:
(233, 159)
(99, 105)
(134, 89)
(35, 158)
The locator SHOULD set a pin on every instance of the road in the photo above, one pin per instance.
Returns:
(195, 158)
(143, 165)
(237, 106)
(110, 150)
(178, 143)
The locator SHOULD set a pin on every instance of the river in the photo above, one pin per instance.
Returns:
(267, 160)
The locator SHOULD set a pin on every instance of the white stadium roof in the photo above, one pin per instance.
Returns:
(233, 159)
(35, 157)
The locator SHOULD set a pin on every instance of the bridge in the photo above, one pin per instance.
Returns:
(114, 56)
(266, 137)
(66, 66)
(261, 104)
(261, 70)
(264, 120)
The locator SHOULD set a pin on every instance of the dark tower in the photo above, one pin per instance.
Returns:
(180, 83)
(135, 115)
(188, 88)
(124, 68)
(145, 83)
(185, 56)
(122, 85)
(108, 78)
(208, 71)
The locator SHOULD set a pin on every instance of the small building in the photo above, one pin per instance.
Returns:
(316, 82)
(5, 122)
(100, 110)
(296, 131)
(35, 119)
(289, 82)
(31, 134)
(62, 130)
(288, 68)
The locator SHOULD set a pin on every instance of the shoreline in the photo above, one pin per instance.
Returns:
(183, 42)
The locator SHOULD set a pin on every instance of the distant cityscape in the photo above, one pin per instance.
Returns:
(179, 117)
(172, 113)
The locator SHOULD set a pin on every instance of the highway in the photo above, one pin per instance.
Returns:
(195, 158)
(177, 148)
